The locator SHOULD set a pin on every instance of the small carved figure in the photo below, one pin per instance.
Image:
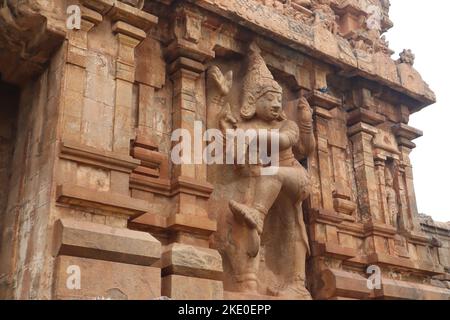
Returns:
(406, 56)
(382, 45)
(385, 6)
(360, 44)
(391, 198)
(324, 15)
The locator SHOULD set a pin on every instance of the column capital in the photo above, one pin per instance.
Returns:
(324, 100)
(362, 127)
(186, 66)
(188, 40)
(405, 134)
(119, 10)
(366, 116)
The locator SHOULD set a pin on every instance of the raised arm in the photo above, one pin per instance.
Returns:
(307, 141)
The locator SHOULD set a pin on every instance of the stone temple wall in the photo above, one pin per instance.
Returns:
(93, 206)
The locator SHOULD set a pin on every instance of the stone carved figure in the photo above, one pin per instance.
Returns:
(273, 217)
(407, 56)
(361, 45)
(296, 9)
(382, 45)
(385, 7)
(324, 15)
(391, 198)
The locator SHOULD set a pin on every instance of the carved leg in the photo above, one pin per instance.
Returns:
(295, 182)
(267, 188)
(266, 192)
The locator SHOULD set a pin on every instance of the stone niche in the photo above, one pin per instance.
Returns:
(96, 208)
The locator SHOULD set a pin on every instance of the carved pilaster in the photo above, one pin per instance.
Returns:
(380, 167)
(189, 223)
(405, 134)
(84, 111)
(361, 135)
(322, 116)
(76, 74)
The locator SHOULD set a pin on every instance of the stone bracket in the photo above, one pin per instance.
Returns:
(324, 100)
(405, 134)
(366, 116)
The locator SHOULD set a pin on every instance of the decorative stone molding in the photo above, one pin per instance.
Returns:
(96, 241)
(107, 201)
(93, 144)
(94, 157)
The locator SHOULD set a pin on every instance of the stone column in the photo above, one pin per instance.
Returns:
(93, 202)
(77, 47)
(323, 103)
(189, 268)
(321, 119)
(405, 134)
(361, 135)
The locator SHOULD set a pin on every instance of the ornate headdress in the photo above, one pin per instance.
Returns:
(258, 81)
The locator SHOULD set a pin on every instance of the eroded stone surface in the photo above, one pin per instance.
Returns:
(85, 142)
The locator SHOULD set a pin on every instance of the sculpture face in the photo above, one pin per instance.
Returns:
(268, 106)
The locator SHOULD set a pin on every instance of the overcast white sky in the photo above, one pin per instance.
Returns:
(424, 26)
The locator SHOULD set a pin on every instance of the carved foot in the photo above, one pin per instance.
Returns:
(252, 217)
(247, 283)
(295, 289)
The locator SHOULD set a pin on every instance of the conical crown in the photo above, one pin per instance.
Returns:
(258, 81)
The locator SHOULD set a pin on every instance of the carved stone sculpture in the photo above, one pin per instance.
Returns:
(285, 190)
(391, 198)
(407, 56)
(324, 15)
(112, 162)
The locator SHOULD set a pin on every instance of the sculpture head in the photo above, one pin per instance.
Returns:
(268, 107)
(261, 93)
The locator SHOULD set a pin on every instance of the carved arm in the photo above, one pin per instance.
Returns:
(307, 141)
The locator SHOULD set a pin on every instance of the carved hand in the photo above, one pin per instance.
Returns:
(223, 82)
(305, 111)
(226, 119)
